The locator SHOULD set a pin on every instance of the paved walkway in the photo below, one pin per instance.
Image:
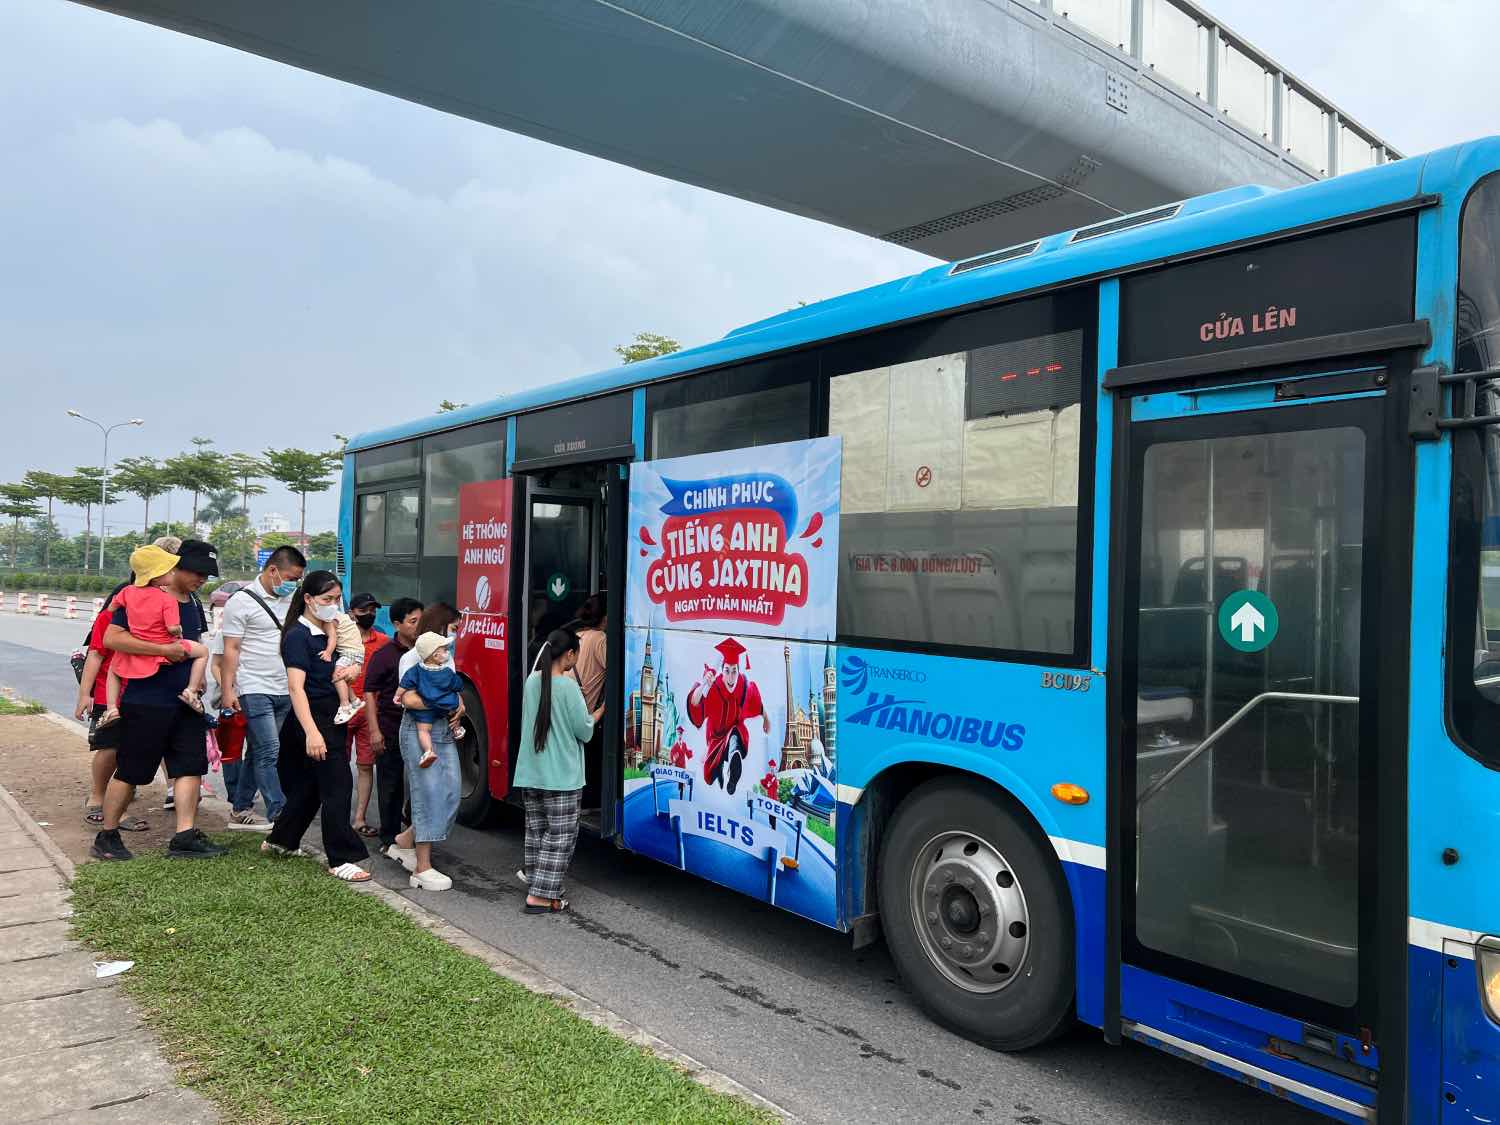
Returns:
(73, 1047)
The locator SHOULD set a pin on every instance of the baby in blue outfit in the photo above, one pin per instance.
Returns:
(433, 678)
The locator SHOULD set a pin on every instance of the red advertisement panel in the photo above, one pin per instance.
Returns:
(482, 649)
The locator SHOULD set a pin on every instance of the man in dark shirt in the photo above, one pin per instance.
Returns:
(156, 727)
(382, 675)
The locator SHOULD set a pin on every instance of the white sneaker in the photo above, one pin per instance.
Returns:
(343, 714)
(247, 821)
(406, 857)
(430, 880)
(355, 707)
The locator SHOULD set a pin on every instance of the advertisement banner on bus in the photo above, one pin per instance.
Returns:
(730, 762)
(743, 541)
(484, 522)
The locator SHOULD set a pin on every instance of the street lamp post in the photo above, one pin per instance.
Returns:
(104, 480)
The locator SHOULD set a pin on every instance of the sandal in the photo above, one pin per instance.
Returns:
(552, 906)
(366, 830)
(94, 815)
(350, 873)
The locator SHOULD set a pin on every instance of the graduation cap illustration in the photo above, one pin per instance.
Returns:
(733, 652)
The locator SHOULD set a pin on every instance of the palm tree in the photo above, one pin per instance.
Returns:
(221, 504)
(142, 477)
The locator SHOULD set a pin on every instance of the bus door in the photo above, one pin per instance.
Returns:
(1256, 558)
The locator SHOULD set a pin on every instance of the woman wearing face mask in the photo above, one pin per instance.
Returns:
(314, 763)
(434, 791)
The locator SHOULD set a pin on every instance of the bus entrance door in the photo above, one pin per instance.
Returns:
(1254, 633)
(568, 553)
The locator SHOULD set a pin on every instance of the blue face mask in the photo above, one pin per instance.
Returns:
(285, 589)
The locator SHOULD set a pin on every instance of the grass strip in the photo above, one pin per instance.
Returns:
(9, 706)
(286, 997)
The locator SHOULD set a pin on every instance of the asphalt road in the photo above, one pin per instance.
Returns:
(780, 1004)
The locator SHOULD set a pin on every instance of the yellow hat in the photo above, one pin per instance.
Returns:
(151, 562)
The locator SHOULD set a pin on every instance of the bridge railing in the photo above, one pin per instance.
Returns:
(1180, 43)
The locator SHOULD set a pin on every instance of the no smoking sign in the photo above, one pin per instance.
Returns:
(924, 476)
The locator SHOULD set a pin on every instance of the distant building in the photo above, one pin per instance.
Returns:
(273, 521)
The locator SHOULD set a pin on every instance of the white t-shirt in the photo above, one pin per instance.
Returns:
(261, 670)
(211, 697)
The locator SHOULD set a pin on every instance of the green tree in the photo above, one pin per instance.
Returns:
(646, 345)
(82, 491)
(323, 545)
(273, 539)
(162, 527)
(303, 472)
(234, 538)
(18, 501)
(247, 469)
(200, 471)
(143, 478)
(48, 486)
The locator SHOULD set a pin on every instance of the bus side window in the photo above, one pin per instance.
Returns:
(959, 522)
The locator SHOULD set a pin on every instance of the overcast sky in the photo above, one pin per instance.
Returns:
(236, 249)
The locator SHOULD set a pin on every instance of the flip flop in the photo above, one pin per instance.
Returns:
(366, 830)
(94, 815)
(350, 873)
(554, 906)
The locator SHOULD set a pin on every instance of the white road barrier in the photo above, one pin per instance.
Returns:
(70, 611)
(23, 604)
(41, 606)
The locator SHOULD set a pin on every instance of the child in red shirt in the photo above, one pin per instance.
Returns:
(154, 616)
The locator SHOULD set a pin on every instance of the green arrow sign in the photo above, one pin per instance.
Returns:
(1248, 620)
(558, 587)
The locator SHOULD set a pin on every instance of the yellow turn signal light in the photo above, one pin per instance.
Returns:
(1070, 794)
(1488, 956)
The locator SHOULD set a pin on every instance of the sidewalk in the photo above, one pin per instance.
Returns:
(74, 1048)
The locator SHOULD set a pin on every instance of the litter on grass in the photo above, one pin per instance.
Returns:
(104, 969)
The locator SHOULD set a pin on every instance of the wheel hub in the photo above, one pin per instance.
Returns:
(970, 911)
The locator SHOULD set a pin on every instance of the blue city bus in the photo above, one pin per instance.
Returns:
(1163, 689)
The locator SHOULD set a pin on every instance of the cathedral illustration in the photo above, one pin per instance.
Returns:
(811, 730)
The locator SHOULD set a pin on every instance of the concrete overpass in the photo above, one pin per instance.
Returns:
(950, 126)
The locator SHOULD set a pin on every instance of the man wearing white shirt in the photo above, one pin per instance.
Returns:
(254, 681)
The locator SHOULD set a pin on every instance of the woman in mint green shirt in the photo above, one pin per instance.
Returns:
(555, 723)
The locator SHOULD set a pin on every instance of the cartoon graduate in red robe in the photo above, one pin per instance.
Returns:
(680, 751)
(719, 704)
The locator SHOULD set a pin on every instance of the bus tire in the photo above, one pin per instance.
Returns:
(474, 799)
(977, 916)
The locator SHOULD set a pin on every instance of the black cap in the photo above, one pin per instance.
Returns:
(362, 601)
(199, 557)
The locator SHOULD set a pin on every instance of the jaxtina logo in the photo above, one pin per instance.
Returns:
(855, 674)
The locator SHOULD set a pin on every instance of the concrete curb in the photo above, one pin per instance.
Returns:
(63, 864)
(534, 980)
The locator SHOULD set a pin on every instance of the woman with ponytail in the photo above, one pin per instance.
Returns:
(555, 723)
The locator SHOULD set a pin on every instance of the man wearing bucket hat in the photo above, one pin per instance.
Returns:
(156, 727)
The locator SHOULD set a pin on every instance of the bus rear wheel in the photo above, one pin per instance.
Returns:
(473, 764)
(977, 916)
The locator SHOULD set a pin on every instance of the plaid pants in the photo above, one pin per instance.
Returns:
(551, 832)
